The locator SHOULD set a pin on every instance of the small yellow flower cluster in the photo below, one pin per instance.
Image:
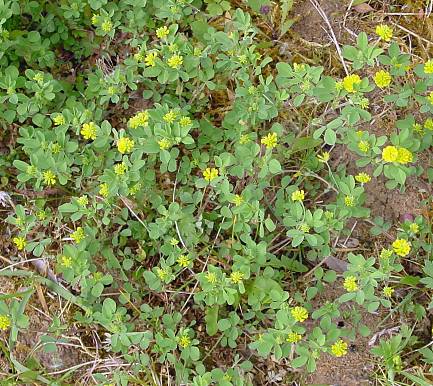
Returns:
(104, 190)
(397, 154)
(401, 247)
(349, 201)
(298, 195)
(428, 124)
(162, 32)
(39, 77)
(364, 146)
(162, 273)
(293, 337)
(339, 348)
(238, 200)
(150, 59)
(300, 314)
(184, 341)
(236, 277)
(89, 131)
(170, 117)
(120, 169)
(78, 235)
(56, 148)
(107, 26)
(428, 66)
(388, 291)
(183, 261)
(185, 121)
(211, 277)
(382, 79)
(5, 322)
(304, 228)
(245, 138)
(414, 227)
(384, 32)
(59, 119)
(164, 144)
(49, 178)
(270, 141)
(83, 200)
(139, 119)
(20, 242)
(175, 61)
(210, 174)
(363, 178)
(66, 261)
(386, 253)
(350, 284)
(350, 81)
(324, 157)
(125, 145)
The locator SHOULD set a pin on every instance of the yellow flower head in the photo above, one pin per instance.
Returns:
(150, 59)
(170, 117)
(324, 157)
(211, 277)
(300, 314)
(162, 32)
(140, 119)
(339, 348)
(401, 247)
(414, 227)
(428, 67)
(298, 195)
(350, 81)
(183, 261)
(245, 138)
(364, 146)
(386, 253)
(164, 144)
(382, 79)
(103, 190)
(83, 200)
(125, 145)
(428, 124)
(388, 291)
(175, 61)
(304, 228)
(139, 56)
(59, 119)
(39, 77)
(107, 26)
(5, 322)
(78, 235)
(350, 284)
(390, 154)
(66, 261)
(404, 156)
(349, 201)
(162, 273)
(185, 121)
(120, 169)
(430, 97)
(184, 341)
(88, 131)
(384, 32)
(49, 178)
(20, 242)
(95, 19)
(238, 200)
(293, 337)
(270, 141)
(363, 178)
(210, 174)
(236, 277)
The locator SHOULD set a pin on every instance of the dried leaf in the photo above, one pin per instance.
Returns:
(363, 8)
